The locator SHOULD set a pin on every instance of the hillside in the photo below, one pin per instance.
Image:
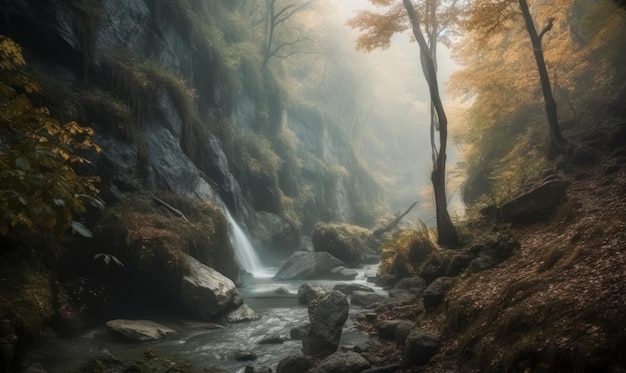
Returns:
(556, 304)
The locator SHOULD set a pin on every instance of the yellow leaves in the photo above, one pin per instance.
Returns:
(10, 54)
(377, 29)
(39, 189)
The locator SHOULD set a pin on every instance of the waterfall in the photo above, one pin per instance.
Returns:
(246, 256)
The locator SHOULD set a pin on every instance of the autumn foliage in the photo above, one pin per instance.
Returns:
(39, 188)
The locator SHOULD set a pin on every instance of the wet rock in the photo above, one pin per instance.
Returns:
(139, 330)
(299, 332)
(100, 360)
(384, 369)
(387, 329)
(419, 347)
(481, 263)
(296, 363)
(206, 293)
(326, 318)
(273, 339)
(361, 347)
(386, 280)
(309, 291)
(402, 331)
(401, 297)
(343, 362)
(365, 298)
(242, 355)
(241, 314)
(342, 273)
(304, 265)
(257, 369)
(348, 289)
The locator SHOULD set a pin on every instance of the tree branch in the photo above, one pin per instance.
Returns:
(547, 28)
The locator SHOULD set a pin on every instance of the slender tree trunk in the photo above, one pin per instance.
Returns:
(446, 231)
(557, 141)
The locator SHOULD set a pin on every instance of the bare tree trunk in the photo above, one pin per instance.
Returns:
(557, 141)
(446, 231)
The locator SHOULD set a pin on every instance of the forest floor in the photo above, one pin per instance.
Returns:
(558, 304)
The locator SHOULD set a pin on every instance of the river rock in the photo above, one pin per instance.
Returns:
(344, 241)
(415, 285)
(257, 369)
(327, 315)
(419, 347)
(304, 265)
(299, 332)
(348, 288)
(98, 360)
(342, 273)
(206, 293)
(296, 363)
(273, 339)
(242, 355)
(343, 362)
(139, 330)
(366, 298)
(241, 314)
(309, 291)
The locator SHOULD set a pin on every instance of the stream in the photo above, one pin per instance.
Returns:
(280, 312)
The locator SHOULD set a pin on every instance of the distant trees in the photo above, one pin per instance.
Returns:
(377, 31)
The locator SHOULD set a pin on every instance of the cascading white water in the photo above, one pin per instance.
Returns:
(246, 255)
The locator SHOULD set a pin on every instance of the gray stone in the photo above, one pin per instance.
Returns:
(241, 314)
(419, 347)
(299, 332)
(207, 293)
(273, 339)
(366, 298)
(296, 363)
(536, 204)
(342, 273)
(257, 369)
(343, 362)
(304, 265)
(349, 288)
(274, 233)
(309, 291)
(326, 318)
(139, 330)
(241, 355)
(414, 285)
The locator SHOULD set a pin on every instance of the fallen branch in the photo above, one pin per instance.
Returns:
(380, 232)
(170, 208)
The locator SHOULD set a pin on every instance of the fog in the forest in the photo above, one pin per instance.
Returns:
(387, 116)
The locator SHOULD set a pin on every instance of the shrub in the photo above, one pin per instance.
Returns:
(404, 254)
(40, 189)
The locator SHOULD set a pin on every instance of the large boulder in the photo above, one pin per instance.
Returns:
(347, 242)
(307, 292)
(304, 265)
(241, 314)
(206, 293)
(539, 203)
(139, 330)
(343, 362)
(326, 318)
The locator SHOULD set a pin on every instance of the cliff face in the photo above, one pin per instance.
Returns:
(174, 110)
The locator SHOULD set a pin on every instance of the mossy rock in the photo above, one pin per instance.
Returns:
(346, 242)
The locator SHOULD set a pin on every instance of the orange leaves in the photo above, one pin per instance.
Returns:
(377, 29)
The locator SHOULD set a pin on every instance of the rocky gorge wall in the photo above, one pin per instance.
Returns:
(172, 107)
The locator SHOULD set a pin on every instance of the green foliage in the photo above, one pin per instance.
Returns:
(405, 254)
(40, 189)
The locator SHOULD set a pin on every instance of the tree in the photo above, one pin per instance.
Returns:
(39, 189)
(277, 15)
(556, 138)
(378, 30)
